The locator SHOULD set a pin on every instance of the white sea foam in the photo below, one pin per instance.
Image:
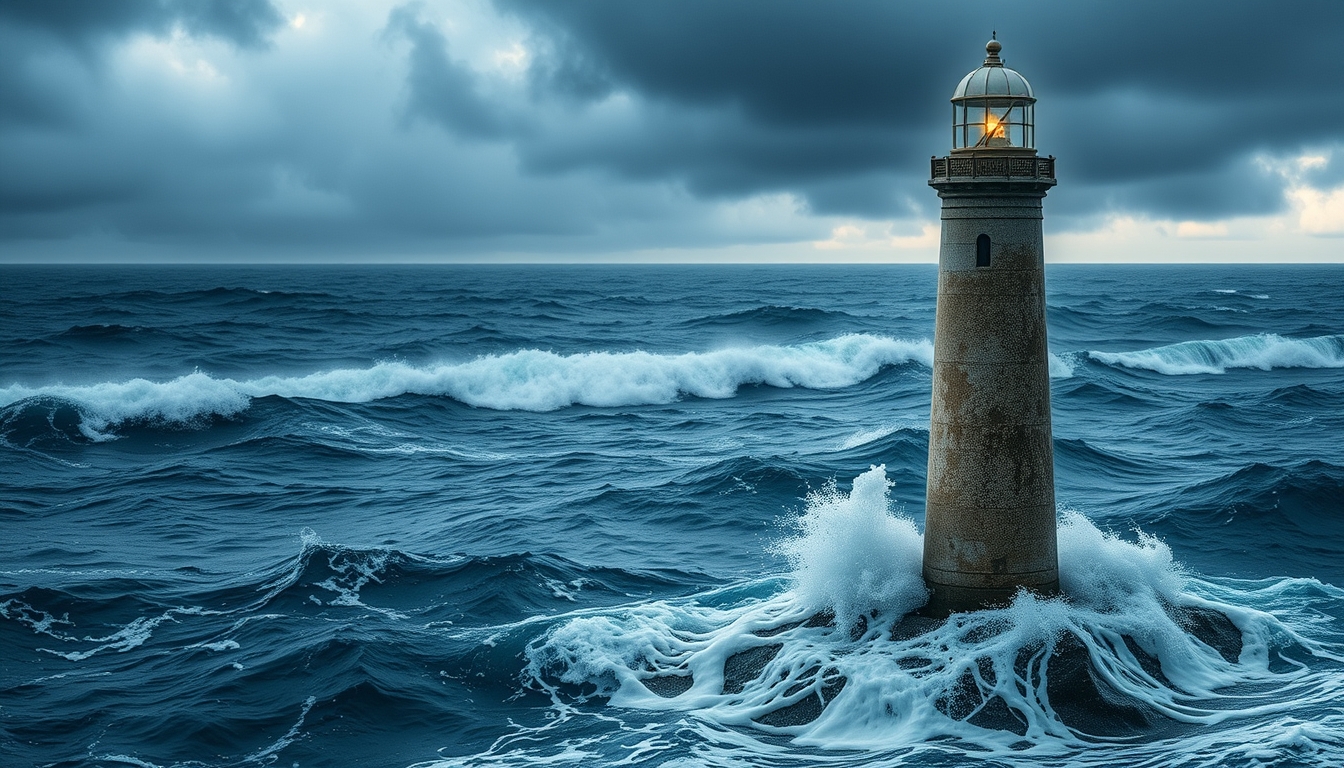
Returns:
(352, 570)
(851, 554)
(866, 436)
(1061, 367)
(530, 380)
(1264, 351)
(266, 755)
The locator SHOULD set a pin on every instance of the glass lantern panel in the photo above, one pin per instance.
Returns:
(1014, 127)
(974, 133)
(994, 122)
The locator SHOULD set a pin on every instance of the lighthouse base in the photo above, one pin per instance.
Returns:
(947, 599)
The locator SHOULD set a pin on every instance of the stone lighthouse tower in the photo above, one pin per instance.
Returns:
(990, 526)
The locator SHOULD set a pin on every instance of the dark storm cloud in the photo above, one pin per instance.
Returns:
(790, 63)
(1202, 194)
(441, 89)
(719, 153)
(745, 97)
(627, 125)
(30, 28)
(1137, 93)
(245, 23)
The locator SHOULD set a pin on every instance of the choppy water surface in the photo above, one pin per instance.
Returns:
(650, 515)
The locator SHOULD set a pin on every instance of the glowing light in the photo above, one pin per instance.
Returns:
(993, 128)
(298, 21)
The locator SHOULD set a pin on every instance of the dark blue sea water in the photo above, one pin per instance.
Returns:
(649, 515)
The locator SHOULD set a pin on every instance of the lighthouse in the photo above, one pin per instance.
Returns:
(990, 524)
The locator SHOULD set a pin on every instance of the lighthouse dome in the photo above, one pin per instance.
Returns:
(993, 79)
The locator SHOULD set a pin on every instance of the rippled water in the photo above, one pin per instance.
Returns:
(660, 515)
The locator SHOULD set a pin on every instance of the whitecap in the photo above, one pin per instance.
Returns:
(528, 380)
(1264, 351)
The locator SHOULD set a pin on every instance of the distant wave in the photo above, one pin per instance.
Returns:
(769, 314)
(530, 380)
(1264, 351)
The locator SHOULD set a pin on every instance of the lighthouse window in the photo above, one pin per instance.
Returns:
(982, 251)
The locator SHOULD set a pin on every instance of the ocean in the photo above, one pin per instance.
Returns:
(650, 515)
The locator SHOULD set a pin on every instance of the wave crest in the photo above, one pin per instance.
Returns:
(536, 380)
(30, 415)
(528, 380)
(1264, 351)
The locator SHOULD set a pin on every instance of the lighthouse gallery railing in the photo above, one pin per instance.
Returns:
(976, 166)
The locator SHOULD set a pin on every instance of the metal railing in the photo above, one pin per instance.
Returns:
(977, 166)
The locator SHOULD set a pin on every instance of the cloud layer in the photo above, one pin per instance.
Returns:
(283, 130)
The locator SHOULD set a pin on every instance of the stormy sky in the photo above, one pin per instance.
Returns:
(688, 130)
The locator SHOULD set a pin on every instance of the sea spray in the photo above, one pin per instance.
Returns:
(851, 554)
(1103, 572)
(831, 656)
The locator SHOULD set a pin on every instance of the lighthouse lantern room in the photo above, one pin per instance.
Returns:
(993, 107)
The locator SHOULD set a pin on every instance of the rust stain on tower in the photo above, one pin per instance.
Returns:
(990, 525)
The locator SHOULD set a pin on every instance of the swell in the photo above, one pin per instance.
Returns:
(1260, 520)
(331, 637)
(770, 315)
(88, 607)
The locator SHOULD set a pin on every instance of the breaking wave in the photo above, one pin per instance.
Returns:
(528, 380)
(1264, 351)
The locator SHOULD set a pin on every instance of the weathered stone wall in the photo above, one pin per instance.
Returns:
(990, 525)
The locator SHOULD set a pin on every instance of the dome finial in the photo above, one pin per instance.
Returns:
(992, 49)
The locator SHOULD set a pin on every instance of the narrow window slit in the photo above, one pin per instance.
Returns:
(982, 251)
